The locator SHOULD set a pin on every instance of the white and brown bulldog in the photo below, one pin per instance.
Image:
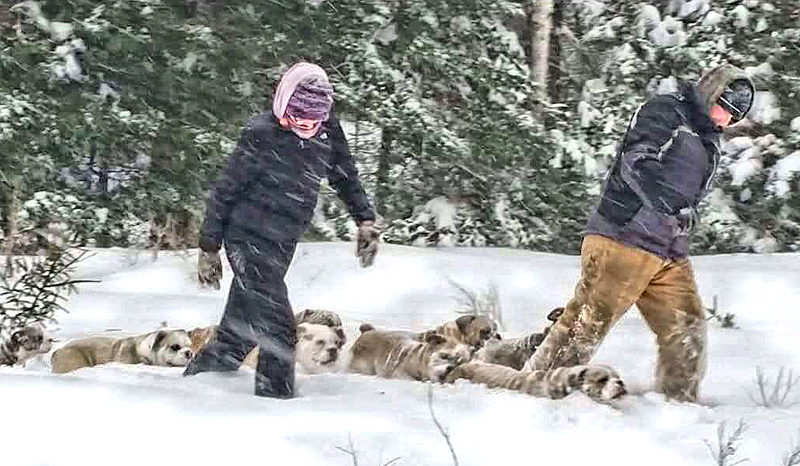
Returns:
(320, 338)
(400, 354)
(515, 352)
(161, 348)
(472, 330)
(24, 344)
(601, 383)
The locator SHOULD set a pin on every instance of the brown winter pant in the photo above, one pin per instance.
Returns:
(615, 276)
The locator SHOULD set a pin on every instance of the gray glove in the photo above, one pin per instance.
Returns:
(687, 220)
(367, 243)
(209, 269)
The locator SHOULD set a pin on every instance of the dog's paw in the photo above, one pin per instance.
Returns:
(600, 383)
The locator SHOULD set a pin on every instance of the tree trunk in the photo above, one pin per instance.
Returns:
(382, 177)
(554, 86)
(541, 22)
(9, 210)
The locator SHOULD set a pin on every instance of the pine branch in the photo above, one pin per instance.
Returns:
(38, 292)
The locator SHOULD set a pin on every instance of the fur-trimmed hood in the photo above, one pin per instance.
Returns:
(713, 83)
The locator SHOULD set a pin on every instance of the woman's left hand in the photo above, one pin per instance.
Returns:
(367, 243)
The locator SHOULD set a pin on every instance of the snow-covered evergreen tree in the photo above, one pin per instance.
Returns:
(114, 116)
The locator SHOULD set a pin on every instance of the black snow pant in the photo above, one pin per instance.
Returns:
(257, 313)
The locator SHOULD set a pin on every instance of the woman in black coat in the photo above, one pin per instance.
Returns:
(259, 208)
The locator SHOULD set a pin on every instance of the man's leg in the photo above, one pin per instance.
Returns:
(672, 308)
(613, 275)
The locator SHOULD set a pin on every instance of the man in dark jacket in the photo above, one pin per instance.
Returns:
(637, 242)
(259, 208)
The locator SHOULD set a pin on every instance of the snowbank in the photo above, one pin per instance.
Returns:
(130, 415)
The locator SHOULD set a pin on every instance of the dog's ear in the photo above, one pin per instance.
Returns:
(433, 338)
(159, 340)
(341, 335)
(555, 314)
(534, 340)
(301, 329)
(464, 321)
(16, 340)
(302, 316)
(576, 378)
(365, 327)
(329, 318)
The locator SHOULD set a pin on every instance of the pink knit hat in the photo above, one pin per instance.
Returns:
(304, 91)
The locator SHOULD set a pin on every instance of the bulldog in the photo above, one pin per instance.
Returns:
(160, 348)
(399, 354)
(600, 383)
(24, 344)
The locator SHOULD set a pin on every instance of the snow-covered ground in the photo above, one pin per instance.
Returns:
(150, 415)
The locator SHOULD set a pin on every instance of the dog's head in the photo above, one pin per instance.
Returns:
(477, 330)
(30, 341)
(600, 383)
(318, 316)
(200, 337)
(445, 355)
(318, 346)
(170, 348)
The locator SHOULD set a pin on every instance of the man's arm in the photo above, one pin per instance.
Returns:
(343, 176)
(655, 128)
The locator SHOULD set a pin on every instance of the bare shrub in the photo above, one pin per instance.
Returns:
(351, 451)
(485, 303)
(727, 443)
(777, 393)
(792, 457)
(442, 430)
(726, 320)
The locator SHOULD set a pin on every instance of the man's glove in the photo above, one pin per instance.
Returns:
(209, 269)
(367, 243)
(687, 220)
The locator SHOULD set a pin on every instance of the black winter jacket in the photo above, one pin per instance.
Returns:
(665, 166)
(270, 184)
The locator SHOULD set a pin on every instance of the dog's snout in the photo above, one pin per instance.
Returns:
(187, 352)
(332, 352)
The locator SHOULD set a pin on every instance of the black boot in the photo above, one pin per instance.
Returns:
(275, 373)
(224, 353)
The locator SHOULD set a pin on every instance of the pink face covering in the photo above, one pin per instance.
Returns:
(303, 128)
(720, 116)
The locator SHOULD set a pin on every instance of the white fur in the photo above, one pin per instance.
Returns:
(174, 350)
(318, 348)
